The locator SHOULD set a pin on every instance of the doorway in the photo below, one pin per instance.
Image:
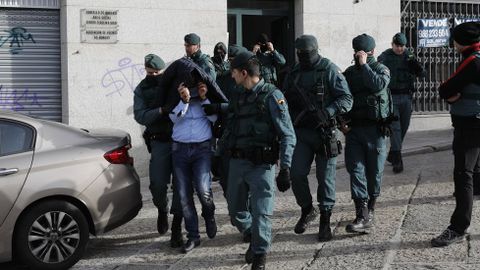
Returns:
(248, 19)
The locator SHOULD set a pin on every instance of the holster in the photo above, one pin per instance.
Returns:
(147, 138)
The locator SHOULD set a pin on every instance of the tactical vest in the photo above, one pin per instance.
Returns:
(267, 68)
(315, 91)
(152, 100)
(252, 124)
(369, 106)
(469, 102)
(401, 80)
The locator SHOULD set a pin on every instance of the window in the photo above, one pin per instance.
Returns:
(15, 138)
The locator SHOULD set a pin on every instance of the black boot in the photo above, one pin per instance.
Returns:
(371, 209)
(309, 214)
(390, 157)
(249, 254)
(324, 230)
(259, 261)
(361, 223)
(397, 162)
(176, 240)
(162, 222)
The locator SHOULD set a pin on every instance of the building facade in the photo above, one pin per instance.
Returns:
(78, 61)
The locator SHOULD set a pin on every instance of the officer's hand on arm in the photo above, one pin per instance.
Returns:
(324, 118)
(184, 93)
(362, 57)
(270, 46)
(202, 90)
(283, 179)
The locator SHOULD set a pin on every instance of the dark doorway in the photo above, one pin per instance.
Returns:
(247, 19)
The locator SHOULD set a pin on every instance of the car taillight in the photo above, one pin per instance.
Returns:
(119, 155)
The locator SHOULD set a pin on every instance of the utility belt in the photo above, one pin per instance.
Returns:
(257, 155)
(330, 148)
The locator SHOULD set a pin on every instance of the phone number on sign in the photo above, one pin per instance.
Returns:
(433, 33)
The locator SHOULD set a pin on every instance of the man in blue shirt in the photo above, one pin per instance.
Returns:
(191, 154)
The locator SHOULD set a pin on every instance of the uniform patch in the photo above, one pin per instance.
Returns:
(281, 101)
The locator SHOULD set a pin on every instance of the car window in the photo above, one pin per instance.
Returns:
(15, 138)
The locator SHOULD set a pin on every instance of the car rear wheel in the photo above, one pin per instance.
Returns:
(51, 235)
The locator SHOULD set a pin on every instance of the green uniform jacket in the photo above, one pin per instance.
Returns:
(204, 62)
(273, 122)
(403, 69)
(147, 100)
(267, 65)
(366, 81)
(325, 77)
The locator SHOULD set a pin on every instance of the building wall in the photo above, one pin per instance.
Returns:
(336, 23)
(98, 79)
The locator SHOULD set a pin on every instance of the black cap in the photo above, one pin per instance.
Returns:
(363, 42)
(306, 42)
(400, 39)
(241, 59)
(192, 39)
(467, 33)
(154, 61)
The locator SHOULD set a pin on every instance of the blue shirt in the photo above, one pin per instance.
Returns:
(190, 123)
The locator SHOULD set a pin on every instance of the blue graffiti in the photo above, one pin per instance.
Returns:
(18, 100)
(17, 36)
(126, 76)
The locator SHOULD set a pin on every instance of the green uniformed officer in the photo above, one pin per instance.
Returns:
(269, 58)
(403, 69)
(316, 92)
(227, 84)
(258, 129)
(192, 49)
(365, 148)
(151, 110)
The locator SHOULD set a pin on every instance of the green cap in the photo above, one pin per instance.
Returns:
(241, 59)
(363, 42)
(192, 39)
(234, 50)
(400, 39)
(306, 42)
(154, 61)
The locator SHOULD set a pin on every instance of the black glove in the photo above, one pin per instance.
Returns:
(283, 180)
(211, 109)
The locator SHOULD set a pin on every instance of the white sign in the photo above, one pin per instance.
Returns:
(433, 32)
(98, 26)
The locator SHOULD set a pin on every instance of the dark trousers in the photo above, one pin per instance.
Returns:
(402, 107)
(466, 149)
(192, 164)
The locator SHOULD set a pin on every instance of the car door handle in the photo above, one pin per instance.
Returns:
(4, 172)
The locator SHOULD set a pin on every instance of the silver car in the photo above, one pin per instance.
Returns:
(58, 184)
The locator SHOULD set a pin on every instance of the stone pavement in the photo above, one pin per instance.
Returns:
(414, 207)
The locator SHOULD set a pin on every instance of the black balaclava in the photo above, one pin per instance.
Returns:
(219, 52)
(262, 39)
(307, 51)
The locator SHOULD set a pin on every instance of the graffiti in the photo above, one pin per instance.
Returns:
(17, 36)
(17, 100)
(126, 76)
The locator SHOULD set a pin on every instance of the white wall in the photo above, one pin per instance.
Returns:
(336, 23)
(89, 94)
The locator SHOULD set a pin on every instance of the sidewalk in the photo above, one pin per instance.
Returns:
(413, 207)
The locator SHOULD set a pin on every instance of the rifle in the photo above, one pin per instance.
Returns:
(310, 108)
(331, 147)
